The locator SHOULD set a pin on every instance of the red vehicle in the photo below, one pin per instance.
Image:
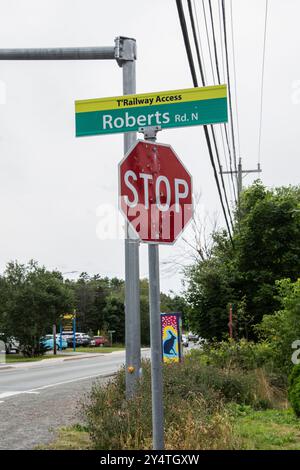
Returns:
(99, 341)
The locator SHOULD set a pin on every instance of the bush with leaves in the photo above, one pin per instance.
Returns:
(281, 329)
(194, 407)
(294, 389)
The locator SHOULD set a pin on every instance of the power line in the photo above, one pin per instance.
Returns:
(228, 84)
(224, 77)
(201, 66)
(208, 42)
(235, 80)
(211, 126)
(219, 81)
(195, 82)
(262, 81)
(214, 40)
(200, 42)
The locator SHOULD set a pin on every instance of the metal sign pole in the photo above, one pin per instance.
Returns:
(155, 332)
(127, 56)
(124, 52)
(155, 337)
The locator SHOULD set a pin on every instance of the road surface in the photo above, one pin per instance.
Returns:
(38, 398)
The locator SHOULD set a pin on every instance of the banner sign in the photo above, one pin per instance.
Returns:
(67, 322)
(171, 337)
(167, 109)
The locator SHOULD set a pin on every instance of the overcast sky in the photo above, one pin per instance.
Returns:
(53, 185)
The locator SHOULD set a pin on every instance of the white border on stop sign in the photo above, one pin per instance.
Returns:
(119, 187)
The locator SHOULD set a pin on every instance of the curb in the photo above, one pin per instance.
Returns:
(75, 358)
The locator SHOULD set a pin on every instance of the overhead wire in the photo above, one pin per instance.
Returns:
(195, 82)
(235, 80)
(190, 9)
(229, 87)
(226, 124)
(219, 82)
(262, 81)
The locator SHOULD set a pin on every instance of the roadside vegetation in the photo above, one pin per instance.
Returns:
(241, 388)
(206, 407)
(33, 299)
(241, 392)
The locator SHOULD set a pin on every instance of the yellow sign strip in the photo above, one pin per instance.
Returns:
(151, 99)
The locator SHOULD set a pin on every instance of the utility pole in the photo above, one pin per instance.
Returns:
(124, 52)
(239, 173)
(230, 324)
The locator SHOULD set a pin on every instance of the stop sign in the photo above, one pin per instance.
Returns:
(155, 192)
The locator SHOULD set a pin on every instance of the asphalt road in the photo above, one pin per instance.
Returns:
(37, 399)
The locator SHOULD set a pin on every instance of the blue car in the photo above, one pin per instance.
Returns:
(47, 342)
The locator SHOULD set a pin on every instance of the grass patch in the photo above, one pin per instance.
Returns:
(69, 438)
(265, 429)
(14, 358)
(96, 350)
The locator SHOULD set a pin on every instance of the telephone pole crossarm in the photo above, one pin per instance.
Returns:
(239, 173)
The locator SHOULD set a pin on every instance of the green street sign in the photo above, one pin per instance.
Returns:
(177, 108)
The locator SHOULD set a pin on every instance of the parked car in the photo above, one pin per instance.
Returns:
(99, 341)
(81, 339)
(185, 341)
(48, 344)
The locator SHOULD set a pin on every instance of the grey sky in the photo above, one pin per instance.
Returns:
(51, 183)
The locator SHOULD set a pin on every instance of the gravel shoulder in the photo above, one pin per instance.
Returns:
(30, 420)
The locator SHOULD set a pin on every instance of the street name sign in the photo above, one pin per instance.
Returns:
(167, 109)
(155, 192)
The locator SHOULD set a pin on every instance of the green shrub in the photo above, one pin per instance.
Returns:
(294, 389)
(194, 407)
(280, 329)
(243, 354)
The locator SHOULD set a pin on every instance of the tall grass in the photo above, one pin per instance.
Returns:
(195, 396)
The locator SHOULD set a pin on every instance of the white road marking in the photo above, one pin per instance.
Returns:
(9, 394)
(35, 390)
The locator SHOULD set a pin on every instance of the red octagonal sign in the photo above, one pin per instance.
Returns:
(155, 192)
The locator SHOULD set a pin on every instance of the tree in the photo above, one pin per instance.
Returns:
(32, 300)
(281, 330)
(266, 249)
(114, 317)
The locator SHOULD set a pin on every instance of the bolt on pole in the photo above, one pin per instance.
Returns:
(126, 55)
(155, 332)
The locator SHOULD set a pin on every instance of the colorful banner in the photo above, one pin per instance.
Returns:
(171, 337)
(67, 322)
(167, 109)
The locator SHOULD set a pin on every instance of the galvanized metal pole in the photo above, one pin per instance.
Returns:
(124, 52)
(59, 53)
(156, 355)
(155, 332)
(127, 56)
